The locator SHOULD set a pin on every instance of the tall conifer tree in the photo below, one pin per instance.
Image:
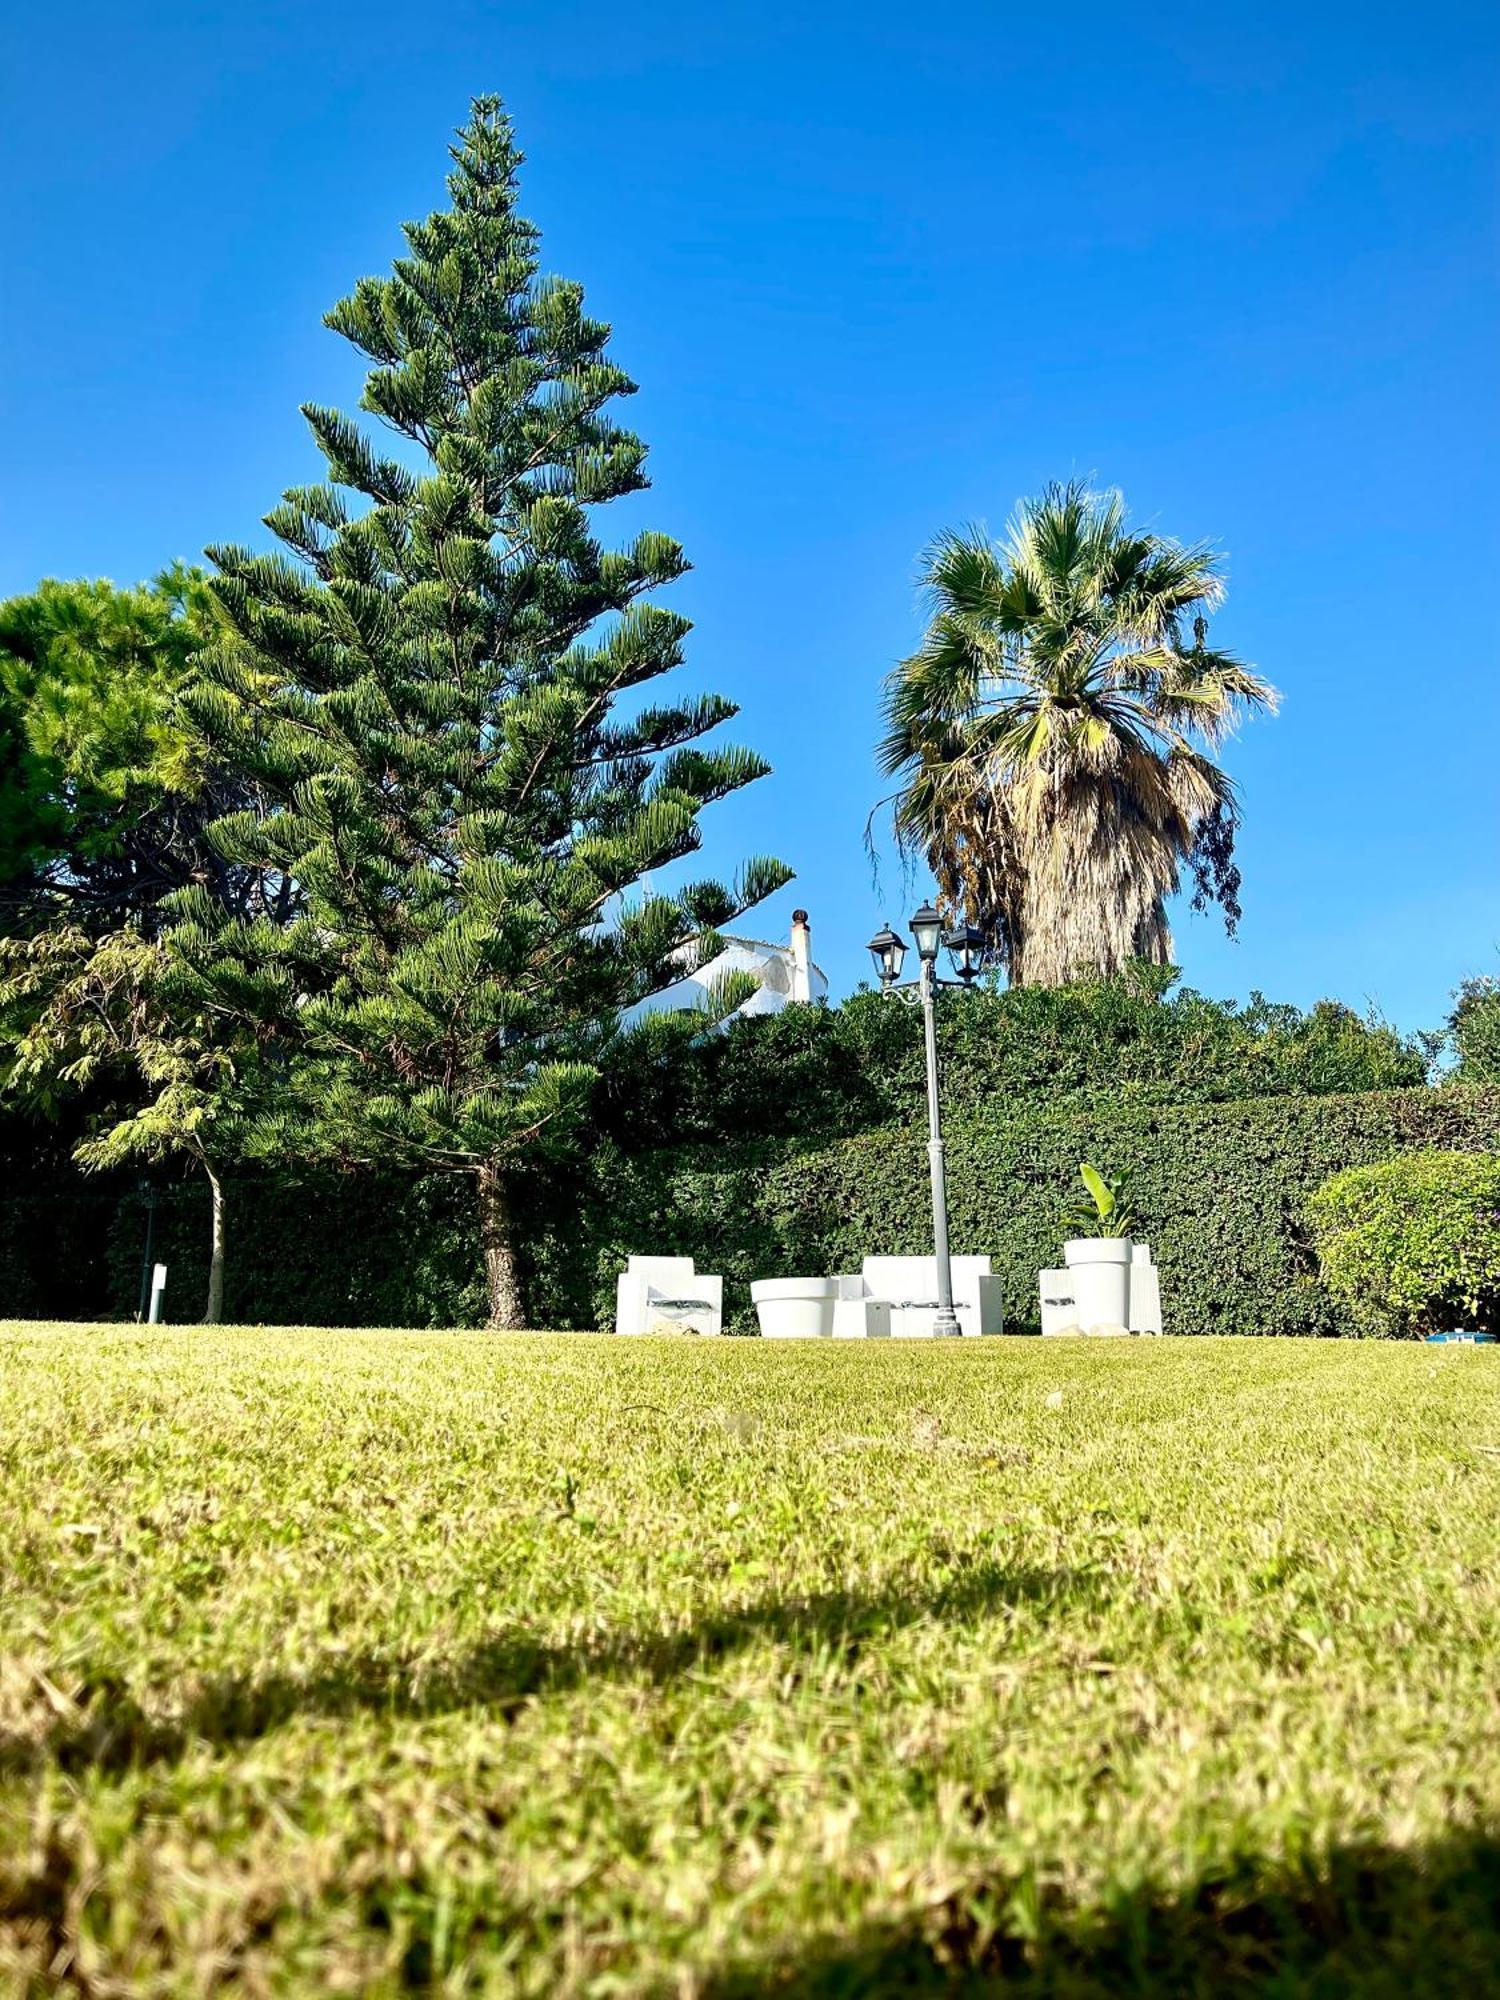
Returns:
(434, 682)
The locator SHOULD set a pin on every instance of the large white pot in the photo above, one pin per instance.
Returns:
(1100, 1266)
(795, 1308)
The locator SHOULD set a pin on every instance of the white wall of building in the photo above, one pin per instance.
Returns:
(785, 974)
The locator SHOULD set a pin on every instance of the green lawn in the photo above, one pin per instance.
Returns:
(556, 1665)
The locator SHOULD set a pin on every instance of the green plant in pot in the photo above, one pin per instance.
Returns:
(1107, 1212)
(1098, 1255)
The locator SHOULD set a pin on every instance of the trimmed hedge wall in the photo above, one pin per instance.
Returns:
(832, 1071)
(1221, 1191)
(701, 1155)
(323, 1250)
(1221, 1188)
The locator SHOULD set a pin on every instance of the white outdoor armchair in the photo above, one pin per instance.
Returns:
(666, 1295)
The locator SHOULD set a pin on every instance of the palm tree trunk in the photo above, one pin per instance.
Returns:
(214, 1311)
(502, 1276)
(1090, 900)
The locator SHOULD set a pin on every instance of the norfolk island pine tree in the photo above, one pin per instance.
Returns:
(432, 682)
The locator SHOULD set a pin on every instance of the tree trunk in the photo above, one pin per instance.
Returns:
(214, 1311)
(1091, 898)
(502, 1274)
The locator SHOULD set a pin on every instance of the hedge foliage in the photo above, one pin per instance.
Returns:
(1222, 1191)
(830, 1071)
(742, 1156)
(1412, 1244)
(1474, 1026)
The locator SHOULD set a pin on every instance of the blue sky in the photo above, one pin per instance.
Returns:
(878, 269)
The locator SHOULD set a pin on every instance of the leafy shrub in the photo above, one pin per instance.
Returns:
(1410, 1243)
(829, 1071)
(1474, 1026)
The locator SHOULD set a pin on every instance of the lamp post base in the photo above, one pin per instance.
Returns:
(945, 1325)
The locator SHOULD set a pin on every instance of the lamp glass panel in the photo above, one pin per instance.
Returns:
(887, 950)
(927, 929)
(966, 948)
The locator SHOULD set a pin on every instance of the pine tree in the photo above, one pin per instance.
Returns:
(433, 684)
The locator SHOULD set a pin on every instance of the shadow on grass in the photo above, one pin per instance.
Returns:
(1370, 1921)
(109, 1730)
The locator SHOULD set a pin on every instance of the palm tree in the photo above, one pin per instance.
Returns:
(1052, 735)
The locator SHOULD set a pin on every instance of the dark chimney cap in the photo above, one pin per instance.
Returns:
(799, 916)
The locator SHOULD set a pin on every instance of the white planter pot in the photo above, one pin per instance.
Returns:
(1097, 1250)
(1100, 1268)
(795, 1308)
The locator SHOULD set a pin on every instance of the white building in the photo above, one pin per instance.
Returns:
(785, 972)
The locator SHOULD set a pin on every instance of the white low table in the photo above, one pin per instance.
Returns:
(795, 1308)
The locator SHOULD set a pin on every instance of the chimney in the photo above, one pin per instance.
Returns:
(801, 957)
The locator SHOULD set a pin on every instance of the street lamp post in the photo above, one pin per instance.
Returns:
(966, 948)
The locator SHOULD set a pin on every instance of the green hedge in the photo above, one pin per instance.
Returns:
(830, 1071)
(1222, 1190)
(321, 1250)
(691, 1155)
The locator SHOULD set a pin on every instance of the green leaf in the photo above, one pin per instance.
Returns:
(1103, 1194)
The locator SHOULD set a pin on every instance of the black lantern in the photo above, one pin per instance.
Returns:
(888, 950)
(927, 929)
(966, 949)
